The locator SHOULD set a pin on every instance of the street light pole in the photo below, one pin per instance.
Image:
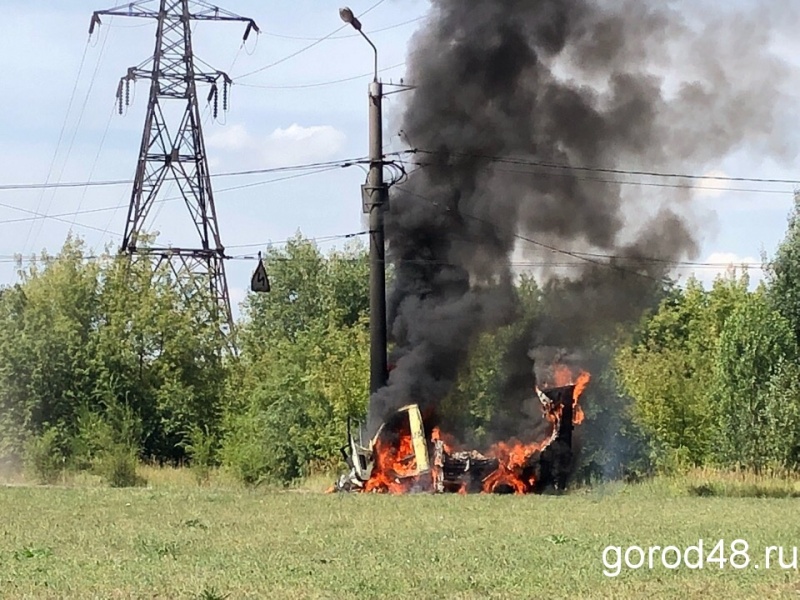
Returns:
(374, 200)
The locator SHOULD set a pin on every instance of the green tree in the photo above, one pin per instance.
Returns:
(755, 398)
(784, 273)
(668, 368)
(79, 336)
(156, 353)
(46, 324)
(303, 368)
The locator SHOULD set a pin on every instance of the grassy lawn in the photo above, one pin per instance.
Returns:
(176, 540)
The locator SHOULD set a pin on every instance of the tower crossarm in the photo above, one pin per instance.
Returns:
(199, 11)
(136, 73)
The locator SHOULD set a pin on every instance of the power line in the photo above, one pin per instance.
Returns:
(269, 244)
(160, 201)
(286, 178)
(61, 134)
(92, 80)
(342, 163)
(584, 258)
(496, 159)
(318, 240)
(577, 177)
(37, 215)
(676, 265)
(549, 165)
(321, 83)
(342, 37)
(590, 257)
(76, 184)
(309, 169)
(94, 162)
(308, 47)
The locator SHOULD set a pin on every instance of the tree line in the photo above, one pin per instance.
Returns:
(104, 363)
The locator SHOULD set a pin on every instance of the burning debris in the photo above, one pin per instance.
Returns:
(409, 455)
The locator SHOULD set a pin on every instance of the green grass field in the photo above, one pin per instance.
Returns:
(177, 540)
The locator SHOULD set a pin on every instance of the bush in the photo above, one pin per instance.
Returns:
(108, 444)
(94, 434)
(117, 466)
(674, 461)
(200, 448)
(44, 457)
(271, 445)
(243, 451)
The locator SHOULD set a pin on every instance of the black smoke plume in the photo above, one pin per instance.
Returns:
(513, 100)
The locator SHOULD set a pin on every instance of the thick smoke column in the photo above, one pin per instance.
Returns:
(615, 84)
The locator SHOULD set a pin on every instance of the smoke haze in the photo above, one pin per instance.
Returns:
(626, 85)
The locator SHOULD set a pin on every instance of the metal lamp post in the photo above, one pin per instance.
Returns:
(374, 200)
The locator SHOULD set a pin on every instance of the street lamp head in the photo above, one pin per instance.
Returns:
(348, 17)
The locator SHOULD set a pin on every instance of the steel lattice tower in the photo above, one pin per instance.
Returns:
(176, 150)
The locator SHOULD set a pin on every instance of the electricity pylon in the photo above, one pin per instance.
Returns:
(176, 150)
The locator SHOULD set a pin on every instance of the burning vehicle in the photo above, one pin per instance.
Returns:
(409, 453)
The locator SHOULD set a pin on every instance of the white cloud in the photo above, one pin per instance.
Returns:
(296, 145)
(292, 145)
(229, 139)
(726, 263)
(730, 259)
(710, 188)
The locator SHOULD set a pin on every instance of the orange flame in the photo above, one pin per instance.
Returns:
(580, 385)
(511, 457)
(563, 376)
(395, 466)
(449, 441)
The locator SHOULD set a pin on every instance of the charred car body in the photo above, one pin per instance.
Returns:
(410, 454)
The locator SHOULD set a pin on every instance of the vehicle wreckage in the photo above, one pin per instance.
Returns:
(409, 454)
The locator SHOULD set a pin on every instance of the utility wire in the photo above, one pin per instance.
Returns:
(76, 129)
(60, 135)
(311, 169)
(494, 159)
(342, 37)
(106, 230)
(163, 200)
(321, 83)
(343, 163)
(585, 258)
(308, 47)
(94, 163)
(683, 186)
(37, 215)
(317, 240)
(677, 265)
(269, 244)
(549, 165)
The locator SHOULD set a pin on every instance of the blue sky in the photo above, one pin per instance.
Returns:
(273, 121)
